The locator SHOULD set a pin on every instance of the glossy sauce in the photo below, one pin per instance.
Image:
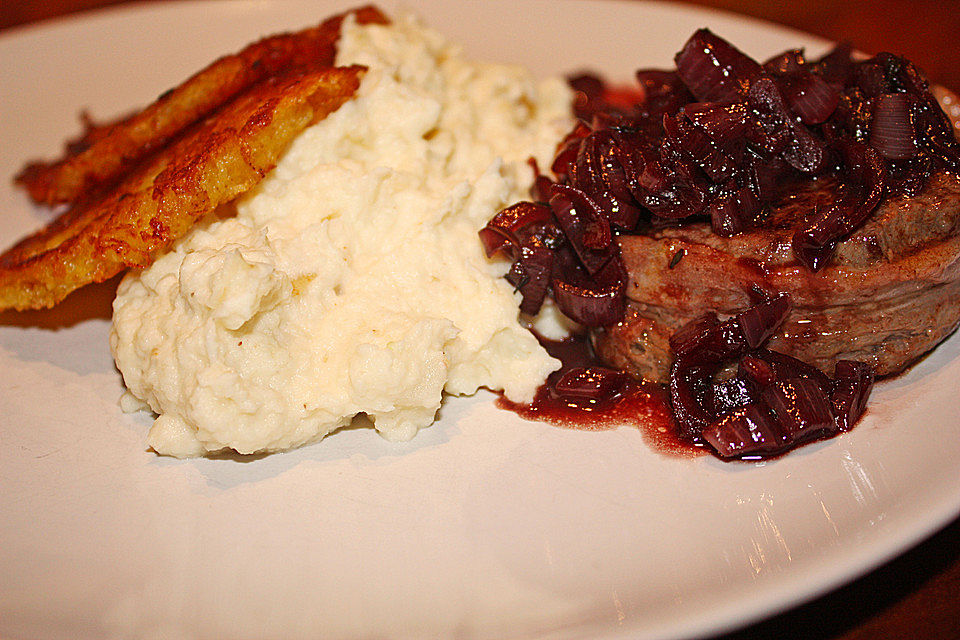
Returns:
(643, 405)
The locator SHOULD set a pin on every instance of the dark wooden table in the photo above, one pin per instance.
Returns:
(917, 595)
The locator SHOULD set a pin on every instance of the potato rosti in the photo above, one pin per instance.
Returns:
(136, 185)
(102, 152)
(210, 164)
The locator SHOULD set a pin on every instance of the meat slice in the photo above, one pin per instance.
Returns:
(891, 293)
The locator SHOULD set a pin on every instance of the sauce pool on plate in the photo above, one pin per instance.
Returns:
(585, 395)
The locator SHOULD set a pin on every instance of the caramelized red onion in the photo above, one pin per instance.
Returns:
(564, 247)
(860, 194)
(773, 403)
(525, 232)
(760, 321)
(702, 347)
(851, 389)
(713, 70)
(591, 386)
(725, 139)
(811, 97)
(512, 225)
(891, 131)
(592, 305)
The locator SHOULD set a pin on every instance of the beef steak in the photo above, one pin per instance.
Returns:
(891, 293)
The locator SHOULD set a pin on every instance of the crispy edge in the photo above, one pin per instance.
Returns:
(210, 165)
(103, 152)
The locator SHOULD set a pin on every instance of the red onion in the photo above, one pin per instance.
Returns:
(507, 226)
(782, 366)
(693, 334)
(699, 149)
(891, 132)
(590, 385)
(728, 395)
(689, 386)
(801, 408)
(582, 220)
(531, 274)
(778, 132)
(756, 371)
(836, 66)
(600, 170)
(775, 402)
(663, 92)
(593, 305)
(725, 217)
(812, 98)
(713, 70)
(760, 321)
(724, 123)
(747, 431)
(852, 386)
(786, 62)
(862, 192)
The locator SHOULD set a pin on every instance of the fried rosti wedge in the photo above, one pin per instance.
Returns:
(102, 153)
(209, 165)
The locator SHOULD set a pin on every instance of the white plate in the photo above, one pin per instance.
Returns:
(484, 526)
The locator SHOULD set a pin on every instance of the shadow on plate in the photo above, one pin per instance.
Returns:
(93, 302)
(357, 444)
(903, 598)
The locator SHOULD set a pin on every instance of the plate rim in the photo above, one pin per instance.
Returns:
(882, 548)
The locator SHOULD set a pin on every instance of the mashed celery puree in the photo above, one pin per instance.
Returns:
(351, 280)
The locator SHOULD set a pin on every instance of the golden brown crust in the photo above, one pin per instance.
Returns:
(101, 154)
(208, 165)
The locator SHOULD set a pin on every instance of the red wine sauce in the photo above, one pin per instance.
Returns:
(643, 405)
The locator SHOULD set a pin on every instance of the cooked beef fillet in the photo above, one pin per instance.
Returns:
(891, 293)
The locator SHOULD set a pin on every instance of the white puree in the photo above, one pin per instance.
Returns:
(352, 280)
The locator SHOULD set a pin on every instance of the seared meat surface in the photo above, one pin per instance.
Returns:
(890, 295)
